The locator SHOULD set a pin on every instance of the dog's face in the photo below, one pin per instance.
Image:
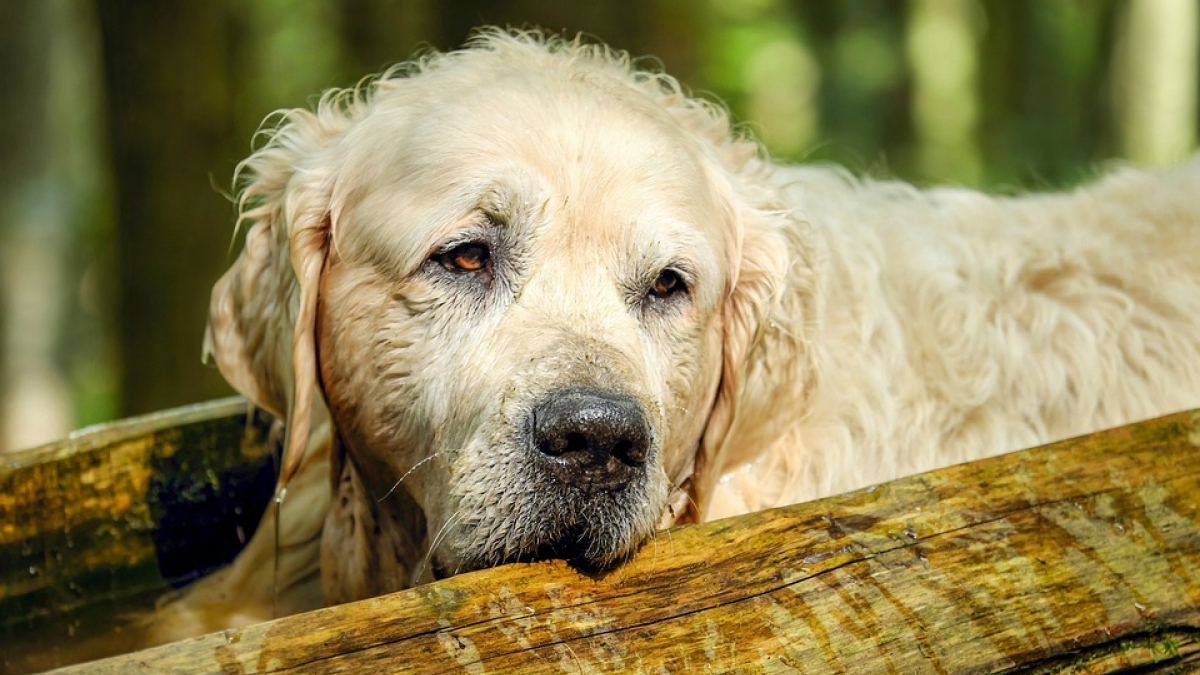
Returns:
(524, 279)
(521, 308)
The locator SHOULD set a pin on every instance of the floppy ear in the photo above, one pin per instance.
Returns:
(759, 260)
(261, 325)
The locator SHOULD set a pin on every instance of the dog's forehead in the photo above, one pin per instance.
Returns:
(603, 159)
(582, 132)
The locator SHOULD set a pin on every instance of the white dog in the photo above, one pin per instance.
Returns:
(525, 300)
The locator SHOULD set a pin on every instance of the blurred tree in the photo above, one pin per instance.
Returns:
(943, 55)
(168, 67)
(761, 62)
(861, 47)
(1156, 71)
(629, 25)
(1045, 117)
(289, 52)
(55, 364)
(379, 33)
(1007, 94)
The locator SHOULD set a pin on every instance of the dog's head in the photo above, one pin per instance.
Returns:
(523, 277)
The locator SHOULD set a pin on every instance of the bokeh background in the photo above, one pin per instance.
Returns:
(121, 122)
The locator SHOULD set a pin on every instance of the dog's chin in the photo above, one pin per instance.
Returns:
(575, 550)
(574, 546)
(593, 534)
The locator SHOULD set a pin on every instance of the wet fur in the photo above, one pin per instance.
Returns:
(839, 331)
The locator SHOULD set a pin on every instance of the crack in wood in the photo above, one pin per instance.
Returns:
(1165, 638)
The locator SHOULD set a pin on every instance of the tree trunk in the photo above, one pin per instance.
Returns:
(170, 120)
(55, 360)
(1156, 76)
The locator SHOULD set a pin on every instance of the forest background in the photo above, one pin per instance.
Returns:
(121, 122)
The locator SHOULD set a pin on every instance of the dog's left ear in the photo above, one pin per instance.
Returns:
(262, 319)
(759, 260)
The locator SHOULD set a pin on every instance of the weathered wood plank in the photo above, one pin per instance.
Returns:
(90, 527)
(1082, 556)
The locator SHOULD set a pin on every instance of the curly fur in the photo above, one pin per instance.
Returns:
(837, 332)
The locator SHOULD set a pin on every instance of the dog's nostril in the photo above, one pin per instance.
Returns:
(556, 445)
(576, 443)
(629, 452)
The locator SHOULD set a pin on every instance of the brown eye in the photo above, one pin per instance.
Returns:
(667, 284)
(471, 257)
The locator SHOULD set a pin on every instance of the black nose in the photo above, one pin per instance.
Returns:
(593, 439)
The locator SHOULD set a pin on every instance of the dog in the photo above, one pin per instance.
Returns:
(527, 300)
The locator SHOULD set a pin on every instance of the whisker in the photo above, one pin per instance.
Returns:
(437, 540)
(673, 487)
(438, 537)
(670, 538)
(406, 473)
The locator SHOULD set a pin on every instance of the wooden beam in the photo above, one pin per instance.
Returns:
(1078, 557)
(102, 524)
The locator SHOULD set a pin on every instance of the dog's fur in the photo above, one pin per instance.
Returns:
(834, 332)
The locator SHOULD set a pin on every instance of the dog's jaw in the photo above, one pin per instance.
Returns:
(370, 547)
(374, 545)
(536, 518)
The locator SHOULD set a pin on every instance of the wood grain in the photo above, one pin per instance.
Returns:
(1078, 557)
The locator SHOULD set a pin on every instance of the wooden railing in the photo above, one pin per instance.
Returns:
(1077, 557)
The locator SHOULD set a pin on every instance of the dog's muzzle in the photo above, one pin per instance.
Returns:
(591, 440)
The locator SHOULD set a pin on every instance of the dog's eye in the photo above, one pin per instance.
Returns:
(470, 257)
(667, 284)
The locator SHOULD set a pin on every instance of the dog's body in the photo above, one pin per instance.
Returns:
(955, 325)
(551, 303)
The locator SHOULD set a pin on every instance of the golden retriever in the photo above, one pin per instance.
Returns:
(527, 300)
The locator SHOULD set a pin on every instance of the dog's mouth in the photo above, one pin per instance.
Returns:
(438, 569)
(581, 488)
(573, 546)
(582, 548)
(582, 545)
(591, 528)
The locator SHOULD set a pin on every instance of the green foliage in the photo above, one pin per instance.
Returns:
(1002, 94)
